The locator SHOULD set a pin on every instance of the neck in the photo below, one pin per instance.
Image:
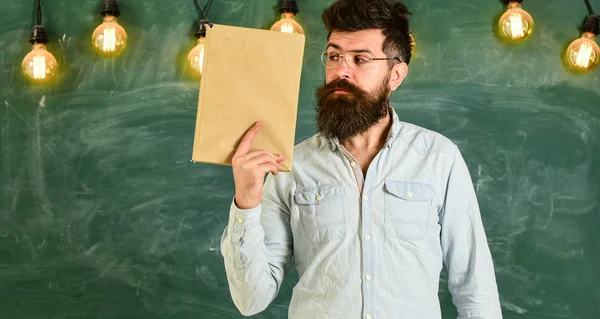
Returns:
(372, 140)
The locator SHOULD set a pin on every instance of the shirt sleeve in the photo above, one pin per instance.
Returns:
(471, 278)
(257, 248)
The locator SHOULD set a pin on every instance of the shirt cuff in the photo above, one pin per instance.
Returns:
(242, 218)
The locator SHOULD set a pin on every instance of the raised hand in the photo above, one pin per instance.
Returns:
(249, 169)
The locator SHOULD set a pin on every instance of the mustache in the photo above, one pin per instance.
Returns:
(340, 84)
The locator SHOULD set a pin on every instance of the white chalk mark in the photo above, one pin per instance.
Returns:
(181, 225)
(478, 186)
(13, 109)
(91, 250)
(42, 101)
(42, 244)
(511, 306)
(137, 293)
(551, 197)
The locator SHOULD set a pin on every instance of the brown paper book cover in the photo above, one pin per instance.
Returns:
(249, 75)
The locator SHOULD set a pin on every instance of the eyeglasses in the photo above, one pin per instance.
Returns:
(355, 61)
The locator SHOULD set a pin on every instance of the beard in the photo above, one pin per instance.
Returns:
(346, 115)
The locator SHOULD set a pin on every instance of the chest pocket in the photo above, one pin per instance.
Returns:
(322, 212)
(407, 209)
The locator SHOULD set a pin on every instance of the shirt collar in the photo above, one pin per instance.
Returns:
(335, 143)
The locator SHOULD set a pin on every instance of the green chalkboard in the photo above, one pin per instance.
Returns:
(102, 215)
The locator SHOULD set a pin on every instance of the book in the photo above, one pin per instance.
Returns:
(249, 75)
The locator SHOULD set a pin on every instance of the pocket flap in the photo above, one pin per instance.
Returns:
(409, 191)
(319, 194)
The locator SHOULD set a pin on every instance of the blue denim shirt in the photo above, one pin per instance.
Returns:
(365, 246)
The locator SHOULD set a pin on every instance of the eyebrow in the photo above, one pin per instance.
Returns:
(337, 47)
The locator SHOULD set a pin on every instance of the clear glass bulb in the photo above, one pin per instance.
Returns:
(287, 24)
(109, 38)
(196, 57)
(39, 66)
(515, 24)
(413, 44)
(584, 53)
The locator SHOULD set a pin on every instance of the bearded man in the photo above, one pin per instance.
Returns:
(374, 207)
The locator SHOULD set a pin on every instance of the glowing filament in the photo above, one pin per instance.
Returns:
(584, 55)
(110, 40)
(516, 26)
(39, 67)
(287, 28)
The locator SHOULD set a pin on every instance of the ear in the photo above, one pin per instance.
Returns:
(399, 72)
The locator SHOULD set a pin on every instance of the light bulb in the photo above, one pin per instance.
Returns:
(413, 44)
(583, 54)
(109, 38)
(196, 57)
(515, 24)
(287, 24)
(39, 66)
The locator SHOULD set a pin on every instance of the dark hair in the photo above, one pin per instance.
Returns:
(389, 16)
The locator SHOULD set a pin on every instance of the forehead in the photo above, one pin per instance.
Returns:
(371, 40)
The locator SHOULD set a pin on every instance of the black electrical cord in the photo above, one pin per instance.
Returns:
(203, 13)
(38, 33)
(589, 6)
(592, 22)
(39, 12)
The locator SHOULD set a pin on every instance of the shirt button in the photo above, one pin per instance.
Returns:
(368, 277)
(365, 197)
(410, 194)
(318, 197)
(237, 248)
(367, 237)
(368, 316)
(353, 164)
(240, 220)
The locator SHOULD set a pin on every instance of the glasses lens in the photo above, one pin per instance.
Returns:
(324, 58)
(331, 59)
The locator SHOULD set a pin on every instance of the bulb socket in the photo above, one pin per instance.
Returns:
(202, 25)
(110, 8)
(289, 6)
(591, 24)
(38, 35)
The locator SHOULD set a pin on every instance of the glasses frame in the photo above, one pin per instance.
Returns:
(343, 56)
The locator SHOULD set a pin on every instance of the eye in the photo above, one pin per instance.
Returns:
(333, 56)
(361, 59)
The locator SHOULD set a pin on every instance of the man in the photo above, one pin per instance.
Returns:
(374, 206)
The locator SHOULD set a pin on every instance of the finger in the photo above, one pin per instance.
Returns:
(269, 167)
(248, 157)
(261, 159)
(248, 138)
(253, 154)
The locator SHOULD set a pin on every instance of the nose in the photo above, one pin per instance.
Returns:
(343, 69)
